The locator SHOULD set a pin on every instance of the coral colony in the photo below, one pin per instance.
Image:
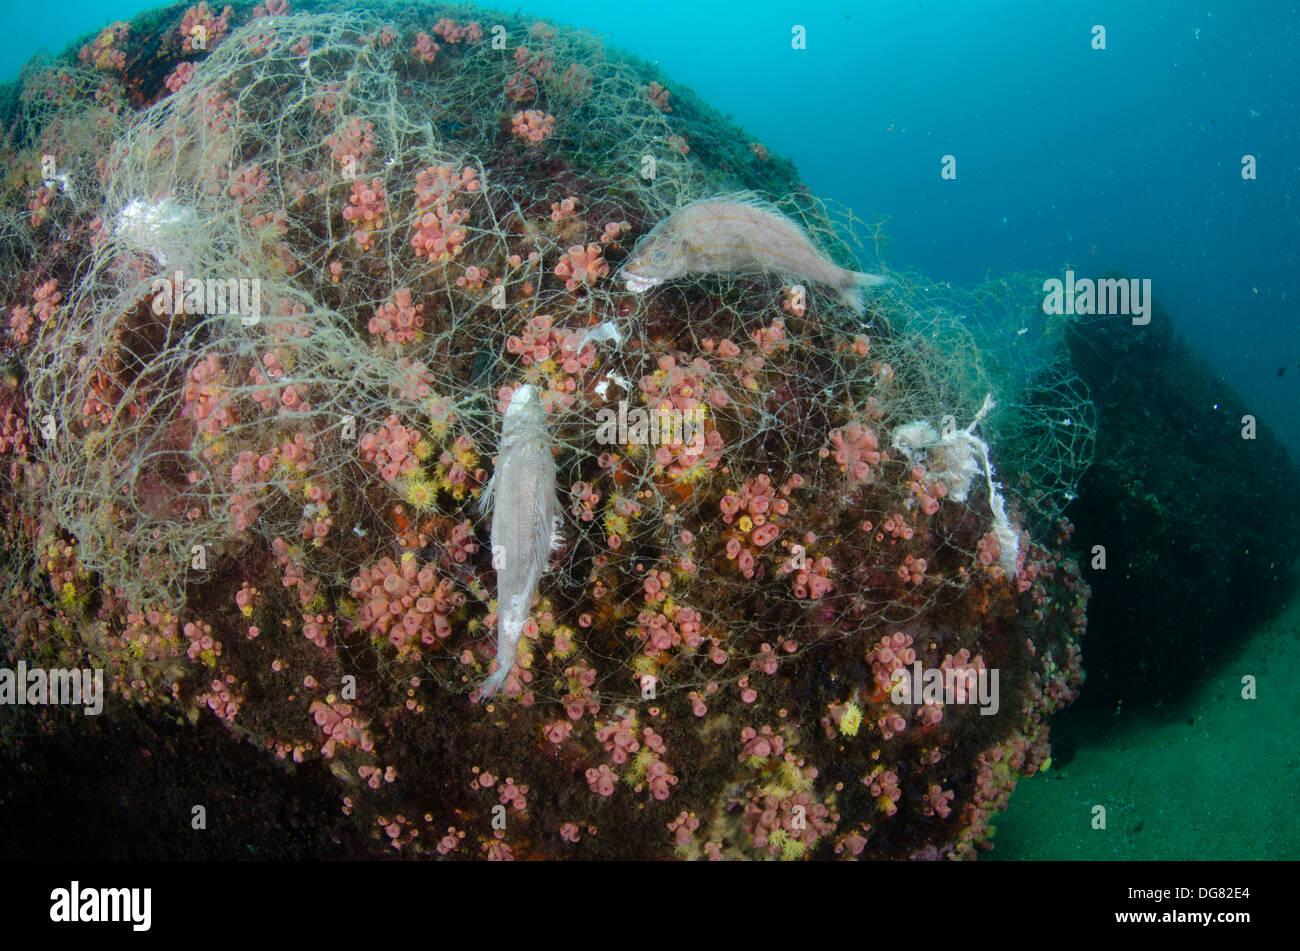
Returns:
(743, 590)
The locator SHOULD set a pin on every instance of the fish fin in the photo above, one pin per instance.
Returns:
(485, 500)
(557, 533)
(853, 294)
(751, 198)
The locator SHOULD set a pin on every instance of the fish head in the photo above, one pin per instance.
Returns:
(659, 256)
(523, 400)
(524, 412)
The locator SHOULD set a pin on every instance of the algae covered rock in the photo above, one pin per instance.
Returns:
(1192, 502)
(286, 287)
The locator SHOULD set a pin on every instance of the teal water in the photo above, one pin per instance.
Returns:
(1128, 157)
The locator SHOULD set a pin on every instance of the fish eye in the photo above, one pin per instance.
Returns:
(658, 254)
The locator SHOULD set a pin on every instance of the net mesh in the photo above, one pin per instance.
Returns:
(269, 395)
(414, 261)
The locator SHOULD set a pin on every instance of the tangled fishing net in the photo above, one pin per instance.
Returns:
(292, 267)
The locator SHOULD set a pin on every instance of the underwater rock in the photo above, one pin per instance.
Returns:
(1197, 521)
(269, 522)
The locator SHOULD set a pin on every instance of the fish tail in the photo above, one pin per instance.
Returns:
(508, 633)
(854, 292)
(493, 684)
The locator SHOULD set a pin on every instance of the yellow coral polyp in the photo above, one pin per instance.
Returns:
(438, 424)
(745, 524)
(69, 594)
(443, 484)
(695, 473)
(420, 493)
(794, 777)
(640, 763)
(422, 449)
(850, 720)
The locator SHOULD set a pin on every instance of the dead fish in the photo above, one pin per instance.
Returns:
(737, 234)
(525, 511)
